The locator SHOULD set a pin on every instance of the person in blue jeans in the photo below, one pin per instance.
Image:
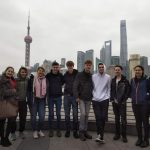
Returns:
(70, 101)
(38, 106)
(55, 82)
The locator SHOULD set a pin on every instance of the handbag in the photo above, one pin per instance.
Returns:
(8, 108)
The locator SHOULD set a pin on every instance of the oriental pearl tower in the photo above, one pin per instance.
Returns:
(28, 40)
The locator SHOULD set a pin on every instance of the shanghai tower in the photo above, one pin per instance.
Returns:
(123, 44)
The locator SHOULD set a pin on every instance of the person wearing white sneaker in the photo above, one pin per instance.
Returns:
(41, 134)
(99, 139)
(39, 101)
(35, 135)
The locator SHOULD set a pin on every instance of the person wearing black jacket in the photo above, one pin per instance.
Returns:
(70, 101)
(82, 90)
(120, 90)
(54, 92)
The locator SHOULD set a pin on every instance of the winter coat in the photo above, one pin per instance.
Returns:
(69, 80)
(83, 86)
(6, 90)
(55, 82)
(140, 90)
(122, 91)
(22, 87)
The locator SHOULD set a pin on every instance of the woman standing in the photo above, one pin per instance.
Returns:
(7, 92)
(140, 89)
(21, 87)
(39, 92)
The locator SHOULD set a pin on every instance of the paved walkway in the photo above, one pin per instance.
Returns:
(63, 143)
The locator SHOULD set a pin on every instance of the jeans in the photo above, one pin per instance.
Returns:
(58, 102)
(120, 112)
(84, 114)
(68, 102)
(38, 107)
(141, 113)
(100, 111)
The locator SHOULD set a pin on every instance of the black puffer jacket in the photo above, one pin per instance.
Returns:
(122, 91)
(55, 82)
(6, 91)
(83, 86)
(69, 80)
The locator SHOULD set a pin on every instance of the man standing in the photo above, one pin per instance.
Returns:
(82, 90)
(120, 89)
(70, 101)
(55, 82)
(101, 95)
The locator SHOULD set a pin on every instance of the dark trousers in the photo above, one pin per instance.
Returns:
(120, 114)
(10, 125)
(70, 101)
(141, 113)
(22, 111)
(57, 102)
(100, 111)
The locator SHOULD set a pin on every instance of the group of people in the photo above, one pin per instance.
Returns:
(80, 89)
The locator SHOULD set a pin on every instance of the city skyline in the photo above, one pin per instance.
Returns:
(60, 29)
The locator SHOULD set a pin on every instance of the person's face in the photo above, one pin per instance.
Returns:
(23, 73)
(138, 72)
(55, 69)
(101, 69)
(70, 69)
(40, 72)
(87, 67)
(9, 72)
(118, 71)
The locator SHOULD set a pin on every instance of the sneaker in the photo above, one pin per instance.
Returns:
(82, 137)
(138, 142)
(22, 135)
(58, 133)
(145, 143)
(116, 137)
(124, 139)
(75, 135)
(67, 134)
(35, 135)
(99, 139)
(13, 136)
(41, 134)
(88, 136)
(51, 133)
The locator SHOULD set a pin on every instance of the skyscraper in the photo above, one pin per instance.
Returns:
(28, 40)
(89, 55)
(105, 53)
(144, 63)
(80, 60)
(123, 44)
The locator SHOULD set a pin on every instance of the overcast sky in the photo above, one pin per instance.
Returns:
(60, 28)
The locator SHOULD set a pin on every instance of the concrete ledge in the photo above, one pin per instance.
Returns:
(109, 127)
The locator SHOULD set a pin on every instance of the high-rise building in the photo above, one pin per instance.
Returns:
(123, 44)
(80, 60)
(89, 55)
(105, 53)
(144, 63)
(28, 40)
(47, 64)
(115, 60)
(96, 63)
(63, 62)
(133, 61)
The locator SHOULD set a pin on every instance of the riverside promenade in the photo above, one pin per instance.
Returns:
(63, 143)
